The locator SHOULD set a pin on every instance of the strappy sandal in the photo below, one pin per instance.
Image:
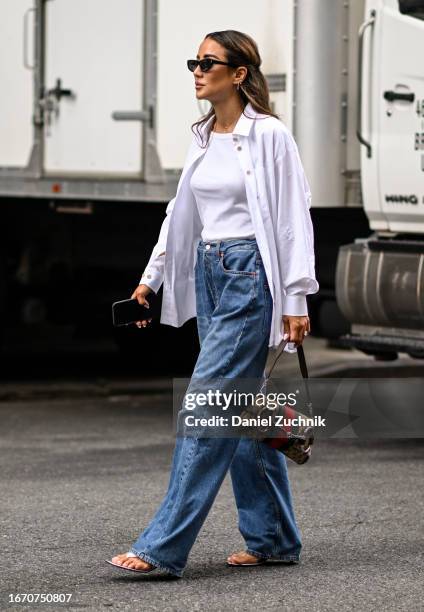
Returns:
(260, 561)
(131, 569)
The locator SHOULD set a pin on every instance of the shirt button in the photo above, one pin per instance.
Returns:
(248, 172)
(238, 148)
(149, 276)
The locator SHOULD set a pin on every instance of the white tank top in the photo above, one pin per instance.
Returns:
(220, 192)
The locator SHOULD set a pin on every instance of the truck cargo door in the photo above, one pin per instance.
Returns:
(400, 120)
(16, 82)
(93, 67)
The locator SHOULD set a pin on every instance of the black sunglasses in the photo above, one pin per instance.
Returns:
(205, 64)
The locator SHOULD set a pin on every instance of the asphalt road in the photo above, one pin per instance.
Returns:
(81, 477)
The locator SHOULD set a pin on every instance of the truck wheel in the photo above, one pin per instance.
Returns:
(381, 355)
(3, 298)
(331, 322)
(416, 354)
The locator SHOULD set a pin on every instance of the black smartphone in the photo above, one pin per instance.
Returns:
(126, 312)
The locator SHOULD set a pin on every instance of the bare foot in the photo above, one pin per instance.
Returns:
(132, 562)
(243, 557)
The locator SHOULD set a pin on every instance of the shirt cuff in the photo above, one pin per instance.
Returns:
(290, 348)
(152, 280)
(295, 305)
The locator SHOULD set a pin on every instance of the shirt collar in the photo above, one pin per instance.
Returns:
(245, 122)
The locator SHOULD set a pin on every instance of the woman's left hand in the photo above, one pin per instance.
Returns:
(296, 327)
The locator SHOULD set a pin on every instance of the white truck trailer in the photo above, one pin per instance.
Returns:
(96, 106)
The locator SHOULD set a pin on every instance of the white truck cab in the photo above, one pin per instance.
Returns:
(380, 279)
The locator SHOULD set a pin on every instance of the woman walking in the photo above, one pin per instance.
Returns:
(235, 250)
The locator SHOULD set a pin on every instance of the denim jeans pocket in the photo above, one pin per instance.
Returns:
(239, 261)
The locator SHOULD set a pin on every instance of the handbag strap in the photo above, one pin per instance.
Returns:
(303, 369)
(300, 356)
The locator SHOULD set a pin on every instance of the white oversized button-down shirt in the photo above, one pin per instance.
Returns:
(279, 199)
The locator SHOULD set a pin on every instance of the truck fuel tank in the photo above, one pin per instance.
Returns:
(380, 284)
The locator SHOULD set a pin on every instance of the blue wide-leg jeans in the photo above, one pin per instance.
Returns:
(234, 310)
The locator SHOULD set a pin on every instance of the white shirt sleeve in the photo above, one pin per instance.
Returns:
(154, 271)
(153, 274)
(295, 243)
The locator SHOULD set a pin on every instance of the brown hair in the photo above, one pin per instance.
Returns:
(241, 50)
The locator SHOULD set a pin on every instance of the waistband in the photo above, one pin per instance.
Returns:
(226, 242)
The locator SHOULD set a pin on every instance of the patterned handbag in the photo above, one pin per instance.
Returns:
(296, 446)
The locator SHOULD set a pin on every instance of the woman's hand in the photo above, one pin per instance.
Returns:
(296, 328)
(140, 295)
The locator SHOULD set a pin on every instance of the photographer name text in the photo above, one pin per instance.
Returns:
(270, 421)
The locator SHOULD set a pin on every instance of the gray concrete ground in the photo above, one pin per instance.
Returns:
(81, 477)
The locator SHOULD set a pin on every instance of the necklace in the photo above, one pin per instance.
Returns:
(225, 128)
